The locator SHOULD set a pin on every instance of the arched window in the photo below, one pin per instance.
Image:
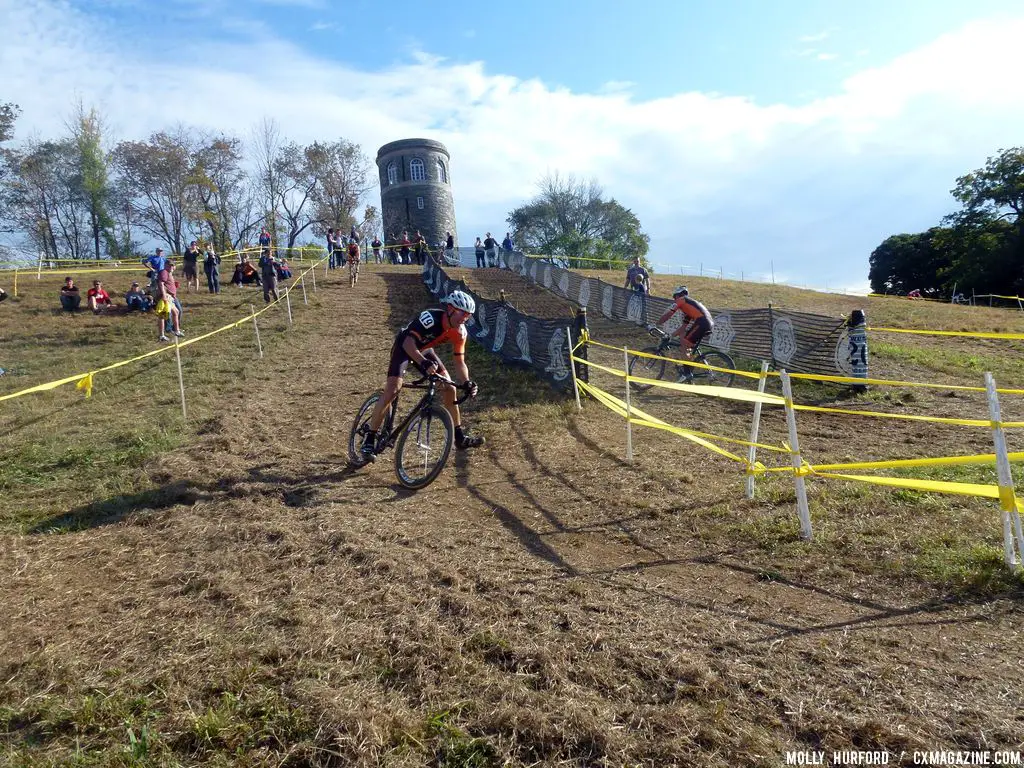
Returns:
(417, 171)
(392, 173)
(442, 174)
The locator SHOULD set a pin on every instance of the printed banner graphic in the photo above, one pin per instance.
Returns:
(796, 341)
(542, 345)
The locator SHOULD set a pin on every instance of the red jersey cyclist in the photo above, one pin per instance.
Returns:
(695, 315)
(416, 343)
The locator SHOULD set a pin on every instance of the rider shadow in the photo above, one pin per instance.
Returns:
(531, 540)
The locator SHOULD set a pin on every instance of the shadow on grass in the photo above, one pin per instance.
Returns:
(116, 508)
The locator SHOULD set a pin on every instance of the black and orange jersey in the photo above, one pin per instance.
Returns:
(692, 308)
(430, 328)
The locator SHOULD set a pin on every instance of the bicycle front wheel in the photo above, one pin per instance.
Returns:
(424, 446)
(715, 378)
(361, 423)
(647, 367)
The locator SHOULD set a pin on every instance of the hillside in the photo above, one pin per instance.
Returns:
(230, 592)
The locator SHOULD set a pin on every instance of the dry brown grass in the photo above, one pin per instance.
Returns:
(254, 602)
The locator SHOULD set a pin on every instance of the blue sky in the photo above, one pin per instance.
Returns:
(742, 133)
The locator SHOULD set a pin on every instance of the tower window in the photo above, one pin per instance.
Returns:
(442, 174)
(392, 173)
(419, 203)
(417, 171)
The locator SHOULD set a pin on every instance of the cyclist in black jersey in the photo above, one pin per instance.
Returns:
(415, 344)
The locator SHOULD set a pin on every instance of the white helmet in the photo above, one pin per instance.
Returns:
(460, 300)
(680, 291)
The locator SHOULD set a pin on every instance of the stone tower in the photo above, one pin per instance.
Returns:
(416, 189)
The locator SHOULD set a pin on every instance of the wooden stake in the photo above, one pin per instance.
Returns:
(181, 379)
(629, 409)
(1007, 498)
(257, 329)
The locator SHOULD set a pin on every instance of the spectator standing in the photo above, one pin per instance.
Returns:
(191, 267)
(70, 297)
(420, 249)
(376, 246)
(507, 246)
(264, 240)
(135, 299)
(491, 248)
(405, 243)
(479, 246)
(167, 291)
(211, 266)
(268, 271)
(96, 298)
(331, 243)
(156, 264)
(449, 247)
(639, 281)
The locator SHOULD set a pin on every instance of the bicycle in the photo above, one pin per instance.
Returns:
(656, 368)
(423, 441)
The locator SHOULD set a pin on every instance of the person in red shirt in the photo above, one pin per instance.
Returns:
(415, 344)
(97, 298)
(697, 322)
(353, 262)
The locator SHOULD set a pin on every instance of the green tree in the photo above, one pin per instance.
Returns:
(93, 171)
(571, 221)
(907, 262)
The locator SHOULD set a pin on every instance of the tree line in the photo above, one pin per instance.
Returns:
(87, 195)
(979, 248)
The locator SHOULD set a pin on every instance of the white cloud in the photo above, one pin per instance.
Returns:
(815, 38)
(827, 56)
(713, 178)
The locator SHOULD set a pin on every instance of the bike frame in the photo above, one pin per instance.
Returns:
(429, 384)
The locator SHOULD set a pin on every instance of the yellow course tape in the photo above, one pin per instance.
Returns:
(743, 395)
(933, 486)
(909, 417)
(966, 334)
(642, 419)
(84, 381)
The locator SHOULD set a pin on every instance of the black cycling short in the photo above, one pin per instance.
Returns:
(701, 327)
(400, 361)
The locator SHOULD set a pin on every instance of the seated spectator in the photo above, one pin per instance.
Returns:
(135, 299)
(97, 298)
(3, 294)
(70, 298)
(914, 294)
(245, 274)
(284, 270)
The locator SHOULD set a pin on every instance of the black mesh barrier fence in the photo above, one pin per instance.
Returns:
(542, 345)
(796, 341)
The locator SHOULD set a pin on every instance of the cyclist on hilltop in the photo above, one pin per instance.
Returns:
(695, 315)
(415, 343)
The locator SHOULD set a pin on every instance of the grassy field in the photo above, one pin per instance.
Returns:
(226, 591)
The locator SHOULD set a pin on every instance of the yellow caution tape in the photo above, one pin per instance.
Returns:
(981, 458)
(679, 361)
(643, 419)
(933, 486)
(997, 296)
(966, 334)
(84, 381)
(726, 393)
(909, 417)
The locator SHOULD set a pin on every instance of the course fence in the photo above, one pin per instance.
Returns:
(798, 341)
(520, 339)
(798, 467)
(86, 381)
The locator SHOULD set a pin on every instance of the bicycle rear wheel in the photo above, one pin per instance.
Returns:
(424, 446)
(715, 378)
(647, 367)
(355, 437)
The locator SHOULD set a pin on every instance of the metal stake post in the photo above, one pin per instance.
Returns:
(257, 329)
(754, 427)
(629, 409)
(305, 300)
(181, 379)
(794, 449)
(1007, 498)
(288, 302)
(572, 367)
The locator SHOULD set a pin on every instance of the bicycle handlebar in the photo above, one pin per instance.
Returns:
(437, 379)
